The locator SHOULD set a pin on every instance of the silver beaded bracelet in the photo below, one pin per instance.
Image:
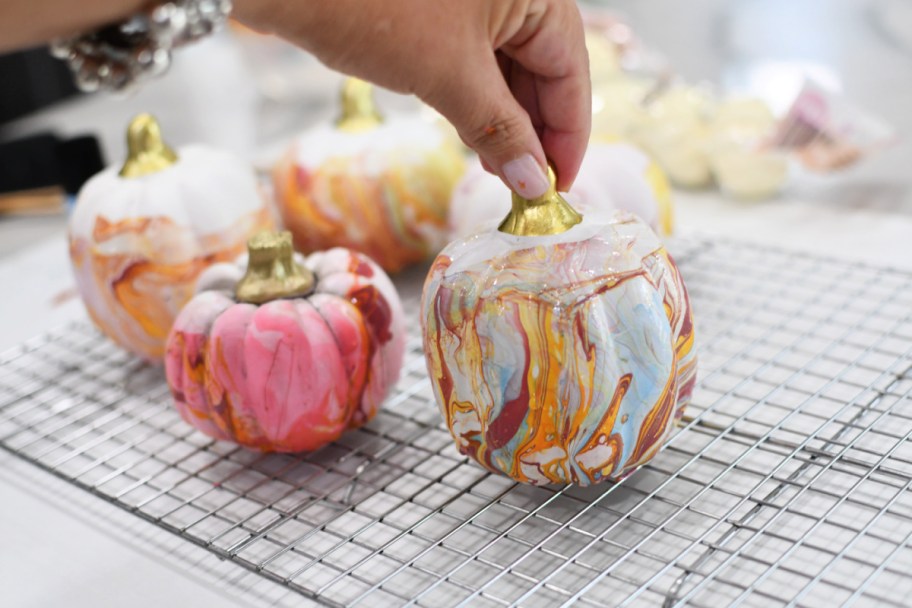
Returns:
(122, 54)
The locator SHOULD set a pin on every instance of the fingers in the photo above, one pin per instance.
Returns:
(565, 105)
(552, 50)
(525, 88)
(512, 76)
(491, 121)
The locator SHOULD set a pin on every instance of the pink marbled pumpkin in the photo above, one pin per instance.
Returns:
(289, 375)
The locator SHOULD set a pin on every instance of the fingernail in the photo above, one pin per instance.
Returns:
(525, 176)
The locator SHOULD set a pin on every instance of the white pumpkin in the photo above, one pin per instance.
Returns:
(141, 234)
(613, 176)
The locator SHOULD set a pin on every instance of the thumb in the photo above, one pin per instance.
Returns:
(489, 120)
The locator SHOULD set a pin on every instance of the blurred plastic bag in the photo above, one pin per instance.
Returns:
(827, 132)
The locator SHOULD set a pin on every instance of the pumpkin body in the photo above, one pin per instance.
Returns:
(289, 375)
(562, 358)
(138, 244)
(384, 191)
(613, 176)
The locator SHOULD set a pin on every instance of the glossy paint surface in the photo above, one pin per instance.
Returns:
(135, 275)
(289, 375)
(560, 359)
(138, 245)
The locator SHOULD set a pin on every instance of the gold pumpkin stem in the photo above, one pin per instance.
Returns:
(358, 110)
(147, 152)
(272, 273)
(547, 214)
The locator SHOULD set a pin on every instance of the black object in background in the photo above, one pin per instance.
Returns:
(31, 80)
(45, 160)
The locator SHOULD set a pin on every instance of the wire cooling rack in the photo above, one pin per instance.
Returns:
(787, 485)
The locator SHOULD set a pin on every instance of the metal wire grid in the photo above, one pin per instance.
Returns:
(788, 484)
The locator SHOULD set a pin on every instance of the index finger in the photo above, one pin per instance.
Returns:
(551, 47)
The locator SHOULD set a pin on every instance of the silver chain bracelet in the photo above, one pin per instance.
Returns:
(119, 55)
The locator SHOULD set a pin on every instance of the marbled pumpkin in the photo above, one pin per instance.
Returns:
(289, 375)
(560, 359)
(139, 242)
(382, 188)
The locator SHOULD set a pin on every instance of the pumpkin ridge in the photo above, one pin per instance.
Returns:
(606, 423)
(374, 341)
(282, 344)
(191, 366)
(539, 424)
(592, 308)
(223, 410)
(656, 424)
(227, 410)
(292, 374)
(266, 310)
(355, 395)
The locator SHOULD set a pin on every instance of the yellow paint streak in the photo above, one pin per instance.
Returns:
(135, 295)
(386, 216)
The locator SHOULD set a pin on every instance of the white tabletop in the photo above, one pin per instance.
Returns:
(64, 547)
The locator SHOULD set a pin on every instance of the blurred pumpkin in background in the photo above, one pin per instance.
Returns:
(381, 186)
(614, 176)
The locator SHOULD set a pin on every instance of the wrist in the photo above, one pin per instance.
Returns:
(316, 26)
(274, 16)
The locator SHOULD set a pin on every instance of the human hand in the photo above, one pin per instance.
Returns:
(511, 75)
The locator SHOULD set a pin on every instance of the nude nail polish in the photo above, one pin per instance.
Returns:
(526, 177)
